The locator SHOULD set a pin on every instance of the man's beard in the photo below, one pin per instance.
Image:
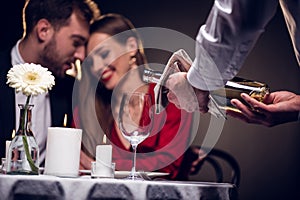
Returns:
(51, 59)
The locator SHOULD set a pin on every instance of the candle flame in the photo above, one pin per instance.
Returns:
(104, 139)
(65, 120)
(75, 70)
(78, 69)
(13, 133)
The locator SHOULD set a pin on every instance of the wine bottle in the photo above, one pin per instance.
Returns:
(235, 87)
(152, 76)
(221, 97)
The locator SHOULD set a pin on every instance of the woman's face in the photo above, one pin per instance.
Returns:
(110, 59)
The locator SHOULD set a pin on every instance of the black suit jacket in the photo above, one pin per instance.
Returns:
(60, 101)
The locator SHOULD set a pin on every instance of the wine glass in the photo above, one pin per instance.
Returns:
(136, 121)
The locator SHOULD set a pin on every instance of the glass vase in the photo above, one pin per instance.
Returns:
(23, 152)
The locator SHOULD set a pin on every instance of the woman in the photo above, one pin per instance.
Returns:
(121, 58)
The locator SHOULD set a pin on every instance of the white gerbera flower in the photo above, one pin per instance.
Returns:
(30, 79)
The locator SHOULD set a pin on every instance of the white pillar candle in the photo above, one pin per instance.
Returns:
(103, 160)
(7, 144)
(63, 151)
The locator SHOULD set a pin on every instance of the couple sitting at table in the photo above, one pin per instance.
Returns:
(110, 60)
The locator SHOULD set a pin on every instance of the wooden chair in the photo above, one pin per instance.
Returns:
(218, 159)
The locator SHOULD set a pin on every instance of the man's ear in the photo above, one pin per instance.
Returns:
(44, 30)
(132, 46)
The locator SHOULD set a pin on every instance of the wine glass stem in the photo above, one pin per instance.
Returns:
(133, 171)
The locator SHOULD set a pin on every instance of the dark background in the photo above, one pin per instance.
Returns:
(269, 157)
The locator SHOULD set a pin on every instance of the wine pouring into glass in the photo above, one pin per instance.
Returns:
(136, 121)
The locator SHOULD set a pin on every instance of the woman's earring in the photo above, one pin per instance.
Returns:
(132, 61)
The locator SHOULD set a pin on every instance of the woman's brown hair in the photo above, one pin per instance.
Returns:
(111, 24)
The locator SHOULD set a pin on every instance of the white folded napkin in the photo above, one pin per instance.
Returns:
(179, 62)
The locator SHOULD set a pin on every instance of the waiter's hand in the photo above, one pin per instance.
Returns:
(184, 96)
(277, 108)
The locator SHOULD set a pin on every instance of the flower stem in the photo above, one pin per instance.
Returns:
(27, 102)
(24, 138)
(25, 113)
(29, 159)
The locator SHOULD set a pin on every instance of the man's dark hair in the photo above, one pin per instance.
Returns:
(57, 12)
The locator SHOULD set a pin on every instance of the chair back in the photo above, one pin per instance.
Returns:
(218, 159)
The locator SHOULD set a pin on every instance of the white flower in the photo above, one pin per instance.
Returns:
(30, 79)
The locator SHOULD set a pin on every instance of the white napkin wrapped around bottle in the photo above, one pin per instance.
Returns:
(180, 61)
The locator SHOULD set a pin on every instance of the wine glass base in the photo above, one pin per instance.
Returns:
(135, 177)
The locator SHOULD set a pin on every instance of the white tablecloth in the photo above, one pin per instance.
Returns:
(51, 187)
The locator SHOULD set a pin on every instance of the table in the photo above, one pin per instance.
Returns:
(55, 188)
